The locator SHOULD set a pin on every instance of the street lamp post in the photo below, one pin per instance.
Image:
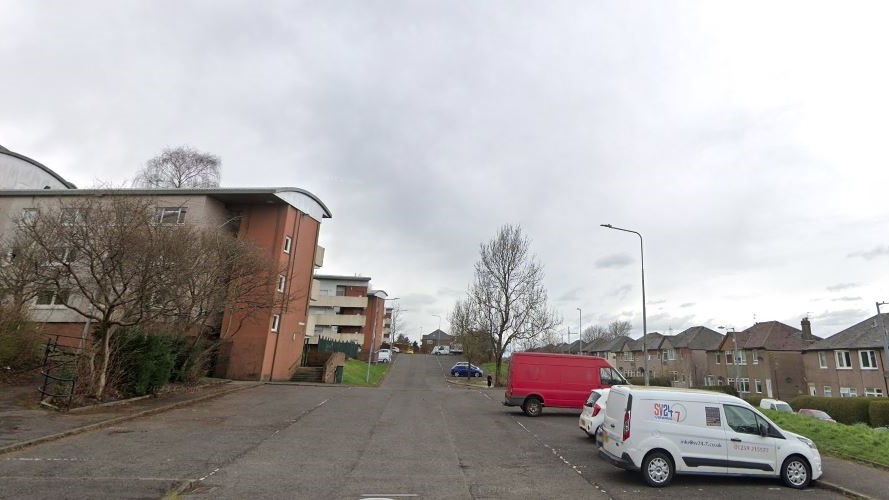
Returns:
(885, 345)
(373, 341)
(644, 315)
(579, 329)
(439, 320)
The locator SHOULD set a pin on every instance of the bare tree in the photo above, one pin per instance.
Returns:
(19, 270)
(465, 323)
(507, 295)
(594, 332)
(181, 167)
(618, 328)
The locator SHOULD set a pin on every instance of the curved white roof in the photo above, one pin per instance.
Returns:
(20, 172)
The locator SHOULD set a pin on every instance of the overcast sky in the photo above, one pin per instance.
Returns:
(746, 142)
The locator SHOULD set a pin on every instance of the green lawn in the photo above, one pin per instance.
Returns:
(491, 367)
(355, 372)
(844, 441)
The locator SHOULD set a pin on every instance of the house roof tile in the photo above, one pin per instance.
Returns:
(867, 333)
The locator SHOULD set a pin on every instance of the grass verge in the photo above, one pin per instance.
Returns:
(845, 441)
(355, 372)
(491, 367)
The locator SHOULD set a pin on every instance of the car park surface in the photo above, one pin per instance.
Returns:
(416, 436)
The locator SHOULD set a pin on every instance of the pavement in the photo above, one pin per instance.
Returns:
(23, 423)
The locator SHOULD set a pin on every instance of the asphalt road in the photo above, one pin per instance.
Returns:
(416, 436)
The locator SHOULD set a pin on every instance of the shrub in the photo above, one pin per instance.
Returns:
(20, 342)
(653, 381)
(843, 410)
(191, 358)
(879, 413)
(727, 389)
(754, 400)
(145, 361)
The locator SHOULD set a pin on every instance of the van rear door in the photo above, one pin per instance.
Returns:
(615, 409)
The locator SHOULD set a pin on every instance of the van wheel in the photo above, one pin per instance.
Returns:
(657, 468)
(532, 407)
(796, 472)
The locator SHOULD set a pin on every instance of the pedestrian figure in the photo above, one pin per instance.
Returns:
(490, 381)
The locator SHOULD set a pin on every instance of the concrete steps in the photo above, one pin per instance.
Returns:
(308, 374)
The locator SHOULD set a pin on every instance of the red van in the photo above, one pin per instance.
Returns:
(539, 379)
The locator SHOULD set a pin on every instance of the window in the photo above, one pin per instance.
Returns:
(670, 355)
(874, 392)
(72, 216)
(288, 242)
(828, 392)
(744, 420)
(170, 215)
(282, 282)
(755, 357)
(731, 382)
(675, 376)
(718, 357)
(844, 360)
(29, 216)
(276, 322)
(628, 356)
(708, 380)
(52, 298)
(822, 359)
(744, 385)
(742, 357)
(340, 291)
(319, 330)
(848, 392)
(610, 376)
(868, 360)
(757, 384)
(729, 358)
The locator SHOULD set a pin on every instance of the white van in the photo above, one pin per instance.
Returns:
(441, 350)
(665, 431)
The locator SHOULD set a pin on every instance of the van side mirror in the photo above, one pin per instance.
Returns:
(763, 429)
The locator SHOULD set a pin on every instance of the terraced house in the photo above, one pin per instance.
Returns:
(764, 359)
(850, 363)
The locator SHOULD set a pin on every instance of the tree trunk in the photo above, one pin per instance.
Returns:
(103, 371)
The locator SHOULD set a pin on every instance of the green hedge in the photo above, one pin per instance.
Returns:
(727, 389)
(21, 345)
(843, 410)
(879, 413)
(753, 400)
(653, 381)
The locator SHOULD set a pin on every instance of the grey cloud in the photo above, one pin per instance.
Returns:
(846, 299)
(572, 295)
(613, 261)
(656, 302)
(621, 292)
(687, 304)
(879, 251)
(841, 286)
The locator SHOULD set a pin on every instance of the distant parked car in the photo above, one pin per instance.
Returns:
(775, 404)
(395, 349)
(820, 415)
(384, 356)
(441, 350)
(593, 411)
(460, 369)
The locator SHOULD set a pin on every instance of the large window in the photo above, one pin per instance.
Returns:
(742, 357)
(868, 360)
(844, 360)
(874, 392)
(729, 358)
(822, 359)
(52, 298)
(848, 392)
(72, 216)
(718, 357)
(828, 391)
(29, 216)
(743, 420)
(744, 385)
(755, 357)
(669, 355)
(758, 385)
(170, 215)
(610, 376)
(628, 356)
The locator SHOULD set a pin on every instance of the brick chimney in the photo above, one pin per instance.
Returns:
(807, 330)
